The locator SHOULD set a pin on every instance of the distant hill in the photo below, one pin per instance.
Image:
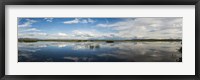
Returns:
(27, 40)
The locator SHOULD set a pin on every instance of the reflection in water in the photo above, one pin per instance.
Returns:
(99, 52)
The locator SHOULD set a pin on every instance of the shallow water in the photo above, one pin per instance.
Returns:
(99, 52)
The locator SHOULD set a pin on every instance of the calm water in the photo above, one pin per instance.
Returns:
(99, 52)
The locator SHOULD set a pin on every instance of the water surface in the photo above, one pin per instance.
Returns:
(99, 52)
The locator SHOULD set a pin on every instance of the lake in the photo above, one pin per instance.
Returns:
(137, 51)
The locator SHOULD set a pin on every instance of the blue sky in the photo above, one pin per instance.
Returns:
(101, 28)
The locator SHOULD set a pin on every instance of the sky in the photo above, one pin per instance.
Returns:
(101, 28)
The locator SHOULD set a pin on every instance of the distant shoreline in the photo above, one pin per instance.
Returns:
(108, 41)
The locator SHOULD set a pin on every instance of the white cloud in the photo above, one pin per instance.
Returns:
(103, 25)
(32, 29)
(43, 34)
(32, 35)
(91, 20)
(62, 34)
(148, 28)
(93, 34)
(28, 23)
(84, 34)
(72, 21)
(49, 19)
(76, 34)
(137, 28)
(79, 20)
(83, 21)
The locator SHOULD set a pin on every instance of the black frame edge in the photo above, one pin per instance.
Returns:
(2, 40)
(99, 2)
(100, 77)
(197, 38)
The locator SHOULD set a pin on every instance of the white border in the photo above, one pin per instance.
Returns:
(187, 67)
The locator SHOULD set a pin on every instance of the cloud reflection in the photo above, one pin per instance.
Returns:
(100, 51)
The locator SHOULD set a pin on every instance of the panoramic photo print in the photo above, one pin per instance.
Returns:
(88, 39)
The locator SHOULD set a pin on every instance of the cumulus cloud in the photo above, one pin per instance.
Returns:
(154, 28)
(28, 23)
(79, 20)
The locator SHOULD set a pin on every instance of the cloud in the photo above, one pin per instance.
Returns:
(76, 34)
(84, 34)
(28, 23)
(49, 19)
(93, 34)
(72, 58)
(103, 25)
(72, 21)
(32, 35)
(127, 28)
(42, 34)
(91, 20)
(147, 28)
(32, 29)
(62, 34)
(79, 20)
